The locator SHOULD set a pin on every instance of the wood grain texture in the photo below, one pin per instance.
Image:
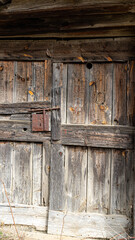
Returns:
(122, 177)
(21, 173)
(20, 108)
(98, 136)
(75, 179)
(57, 188)
(98, 188)
(37, 164)
(56, 100)
(78, 76)
(5, 170)
(119, 94)
(131, 94)
(20, 130)
(88, 225)
(48, 80)
(46, 172)
(68, 50)
(100, 94)
(28, 215)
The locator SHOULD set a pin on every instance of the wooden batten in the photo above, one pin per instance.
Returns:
(28, 215)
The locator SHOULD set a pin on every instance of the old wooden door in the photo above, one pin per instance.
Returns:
(24, 165)
(91, 179)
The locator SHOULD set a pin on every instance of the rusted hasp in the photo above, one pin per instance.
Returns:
(41, 119)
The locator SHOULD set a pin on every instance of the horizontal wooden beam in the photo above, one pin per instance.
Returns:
(121, 137)
(38, 17)
(88, 225)
(24, 107)
(28, 215)
(20, 130)
(115, 49)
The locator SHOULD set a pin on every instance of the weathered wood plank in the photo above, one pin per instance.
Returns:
(48, 80)
(24, 107)
(89, 225)
(63, 50)
(20, 130)
(46, 172)
(17, 6)
(20, 82)
(21, 173)
(98, 136)
(56, 100)
(78, 76)
(98, 188)
(131, 94)
(5, 171)
(100, 94)
(37, 158)
(119, 94)
(39, 78)
(57, 188)
(76, 179)
(122, 177)
(27, 215)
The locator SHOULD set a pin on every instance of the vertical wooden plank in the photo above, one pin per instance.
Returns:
(134, 188)
(2, 83)
(76, 178)
(119, 94)
(57, 178)
(118, 182)
(21, 82)
(131, 94)
(100, 94)
(39, 76)
(48, 80)
(64, 93)
(46, 172)
(21, 173)
(56, 100)
(37, 173)
(129, 179)
(5, 170)
(78, 76)
(98, 195)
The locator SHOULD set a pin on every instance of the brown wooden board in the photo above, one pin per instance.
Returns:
(98, 188)
(131, 94)
(76, 179)
(115, 49)
(100, 94)
(98, 136)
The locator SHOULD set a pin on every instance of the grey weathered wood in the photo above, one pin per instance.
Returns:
(75, 179)
(5, 170)
(100, 94)
(21, 173)
(78, 76)
(27, 215)
(64, 81)
(122, 175)
(121, 49)
(119, 94)
(25, 107)
(37, 158)
(57, 188)
(88, 225)
(46, 172)
(98, 188)
(48, 80)
(98, 136)
(56, 101)
(20, 130)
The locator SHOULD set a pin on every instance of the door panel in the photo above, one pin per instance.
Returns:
(94, 196)
(24, 155)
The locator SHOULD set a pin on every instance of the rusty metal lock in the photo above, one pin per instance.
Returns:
(40, 122)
